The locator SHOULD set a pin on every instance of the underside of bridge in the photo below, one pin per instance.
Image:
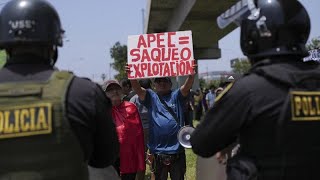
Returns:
(199, 16)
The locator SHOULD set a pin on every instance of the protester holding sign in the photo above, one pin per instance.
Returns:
(159, 56)
(164, 125)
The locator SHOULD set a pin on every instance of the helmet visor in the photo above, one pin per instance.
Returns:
(241, 10)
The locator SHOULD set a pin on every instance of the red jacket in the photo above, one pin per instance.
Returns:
(130, 134)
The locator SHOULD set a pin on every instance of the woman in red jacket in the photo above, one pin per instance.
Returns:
(130, 132)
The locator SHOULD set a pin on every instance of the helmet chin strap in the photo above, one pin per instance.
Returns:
(54, 56)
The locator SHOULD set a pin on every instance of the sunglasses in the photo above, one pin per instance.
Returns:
(162, 80)
(113, 92)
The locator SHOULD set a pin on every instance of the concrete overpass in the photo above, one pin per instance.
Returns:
(199, 16)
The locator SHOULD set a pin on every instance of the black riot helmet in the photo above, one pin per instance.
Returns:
(29, 23)
(281, 27)
(270, 27)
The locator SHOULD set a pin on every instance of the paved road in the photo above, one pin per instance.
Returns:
(103, 174)
(210, 169)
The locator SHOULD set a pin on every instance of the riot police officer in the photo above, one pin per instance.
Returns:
(52, 124)
(276, 106)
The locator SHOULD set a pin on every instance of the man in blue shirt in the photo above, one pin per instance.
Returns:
(210, 97)
(164, 125)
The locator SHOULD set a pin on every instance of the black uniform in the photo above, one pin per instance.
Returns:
(274, 110)
(259, 111)
(88, 109)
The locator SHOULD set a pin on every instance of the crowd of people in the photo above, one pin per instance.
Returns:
(152, 119)
(202, 99)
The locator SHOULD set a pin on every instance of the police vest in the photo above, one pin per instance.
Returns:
(298, 125)
(36, 140)
(299, 121)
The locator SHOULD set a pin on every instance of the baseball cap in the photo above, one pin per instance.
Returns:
(162, 78)
(108, 83)
(219, 89)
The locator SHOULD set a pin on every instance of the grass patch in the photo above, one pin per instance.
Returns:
(2, 58)
(191, 163)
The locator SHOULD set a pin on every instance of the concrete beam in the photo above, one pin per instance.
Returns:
(146, 16)
(179, 14)
(207, 53)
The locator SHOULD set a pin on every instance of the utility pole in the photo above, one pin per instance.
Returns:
(109, 70)
(103, 77)
(142, 10)
(207, 75)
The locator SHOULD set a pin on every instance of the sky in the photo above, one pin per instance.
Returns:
(93, 27)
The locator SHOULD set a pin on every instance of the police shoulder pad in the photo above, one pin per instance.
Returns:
(223, 92)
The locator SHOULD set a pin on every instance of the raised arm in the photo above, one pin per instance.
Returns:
(141, 92)
(185, 88)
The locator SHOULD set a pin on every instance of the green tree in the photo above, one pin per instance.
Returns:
(2, 58)
(314, 43)
(214, 82)
(202, 83)
(242, 66)
(119, 53)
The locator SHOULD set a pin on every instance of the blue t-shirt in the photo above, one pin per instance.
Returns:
(210, 97)
(163, 128)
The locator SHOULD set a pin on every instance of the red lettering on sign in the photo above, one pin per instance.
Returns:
(169, 39)
(145, 55)
(166, 71)
(184, 40)
(129, 73)
(189, 67)
(182, 68)
(155, 69)
(178, 68)
(137, 70)
(173, 73)
(143, 68)
(156, 54)
(141, 42)
(135, 53)
(151, 38)
(172, 68)
(185, 54)
(164, 53)
(159, 40)
(161, 68)
(175, 54)
(160, 54)
(149, 70)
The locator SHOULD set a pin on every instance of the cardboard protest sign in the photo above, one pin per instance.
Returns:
(160, 55)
